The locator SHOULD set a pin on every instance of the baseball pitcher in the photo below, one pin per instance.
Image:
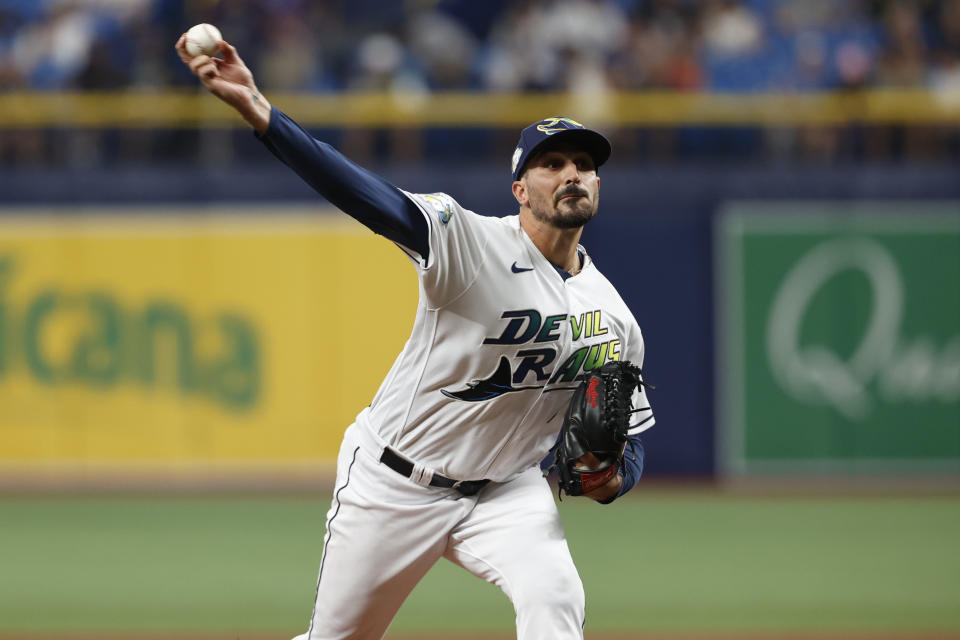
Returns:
(521, 350)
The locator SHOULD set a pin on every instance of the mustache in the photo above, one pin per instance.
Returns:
(572, 190)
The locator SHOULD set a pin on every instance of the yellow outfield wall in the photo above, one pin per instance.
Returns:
(183, 338)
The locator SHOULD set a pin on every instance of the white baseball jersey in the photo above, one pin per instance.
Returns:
(500, 337)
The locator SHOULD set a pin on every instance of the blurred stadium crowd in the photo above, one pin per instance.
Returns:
(494, 45)
(583, 46)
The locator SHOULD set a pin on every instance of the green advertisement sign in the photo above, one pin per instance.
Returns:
(838, 338)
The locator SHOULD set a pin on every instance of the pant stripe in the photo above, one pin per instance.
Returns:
(326, 542)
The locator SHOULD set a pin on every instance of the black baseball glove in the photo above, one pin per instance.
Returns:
(596, 423)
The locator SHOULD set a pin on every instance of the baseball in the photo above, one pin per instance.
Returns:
(203, 39)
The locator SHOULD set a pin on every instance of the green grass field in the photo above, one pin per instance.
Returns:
(667, 561)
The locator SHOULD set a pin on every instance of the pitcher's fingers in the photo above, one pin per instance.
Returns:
(208, 71)
(199, 61)
(219, 62)
(204, 67)
(229, 51)
(181, 48)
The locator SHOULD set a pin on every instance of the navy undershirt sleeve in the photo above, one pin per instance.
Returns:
(632, 466)
(361, 194)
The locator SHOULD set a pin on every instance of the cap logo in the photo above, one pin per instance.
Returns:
(551, 126)
(516, 158)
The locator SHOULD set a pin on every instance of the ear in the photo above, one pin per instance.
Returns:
(520, 193)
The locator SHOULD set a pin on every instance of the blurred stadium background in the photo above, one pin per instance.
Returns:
(185, 329)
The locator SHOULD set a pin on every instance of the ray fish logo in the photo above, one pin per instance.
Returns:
(551, 126)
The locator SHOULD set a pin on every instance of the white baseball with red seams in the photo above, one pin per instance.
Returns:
(202, 39)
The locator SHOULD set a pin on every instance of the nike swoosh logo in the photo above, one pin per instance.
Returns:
(517, 269)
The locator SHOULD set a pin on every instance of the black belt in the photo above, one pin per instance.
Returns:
(405, 468)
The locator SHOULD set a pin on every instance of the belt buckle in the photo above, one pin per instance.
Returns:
(469, 487)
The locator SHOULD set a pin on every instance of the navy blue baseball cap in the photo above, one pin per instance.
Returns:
(559, 128)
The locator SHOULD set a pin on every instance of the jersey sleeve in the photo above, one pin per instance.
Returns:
(363, 195)
(457, 241)
(642, 418)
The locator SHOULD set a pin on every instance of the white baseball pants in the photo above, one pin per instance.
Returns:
(384, 532)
